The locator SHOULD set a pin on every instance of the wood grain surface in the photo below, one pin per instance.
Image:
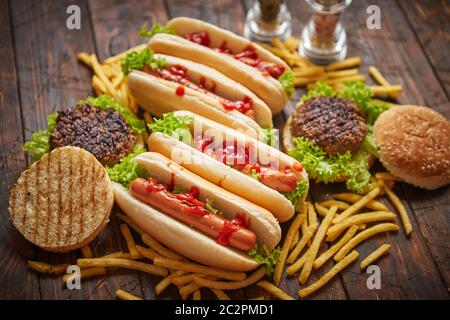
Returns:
(40, 74)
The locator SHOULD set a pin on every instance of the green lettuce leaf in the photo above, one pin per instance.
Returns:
(176, 127)
(373, 109)
(137, 60)
(325, 168)
(264, 257)
(106, 102)
(127, 170)
(179, 189)
(210, 207)
(39, 144)
(296, 195)
(321, 89)
(369, 143)
(287, 82)
(358, 92)
(156, 28)
(271, 137)
(254, 175)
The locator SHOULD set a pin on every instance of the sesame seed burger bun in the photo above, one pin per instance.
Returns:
(414, 145)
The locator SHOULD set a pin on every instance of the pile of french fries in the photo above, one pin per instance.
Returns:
(342, 228)
(306, 73)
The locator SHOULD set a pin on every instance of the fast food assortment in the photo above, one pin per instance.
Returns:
(180, 138)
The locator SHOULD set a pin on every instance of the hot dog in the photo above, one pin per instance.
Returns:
(246, 62)
(195, 217)
(162, 83)
(237, 163)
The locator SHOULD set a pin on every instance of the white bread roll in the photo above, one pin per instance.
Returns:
(225, 176)
(266, 87)
(181, 237)
(157, 96)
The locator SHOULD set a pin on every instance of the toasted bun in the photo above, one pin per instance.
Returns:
(62, 201)
(414, 144)
(157, 96)
(261, 221)
(288, 145)
(267, 88)
(223, 87)
(225, 176)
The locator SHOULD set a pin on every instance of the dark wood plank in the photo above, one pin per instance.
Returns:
(17, 282)
(430, 22)
(116, 27)
(50, 79)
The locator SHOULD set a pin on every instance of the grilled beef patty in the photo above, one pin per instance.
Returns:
(336, 125)
(104, 133)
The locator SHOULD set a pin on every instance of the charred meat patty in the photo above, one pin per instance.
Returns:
(104, 133)
(336, 125)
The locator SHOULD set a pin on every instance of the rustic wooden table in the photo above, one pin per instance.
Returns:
(40, 74)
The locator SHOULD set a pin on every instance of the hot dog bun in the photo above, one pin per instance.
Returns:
(181, 237)
(266, 87)
(63, 201)
(149, 98)
(223, 175)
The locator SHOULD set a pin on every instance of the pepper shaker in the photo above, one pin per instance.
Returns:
(268, 19)
(324, 39)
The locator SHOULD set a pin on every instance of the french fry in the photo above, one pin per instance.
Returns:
(163, 251)
(333, 81)
(120, 56)
(375, 255)
(304, 228)
(134, 253)
(308, 72)
(386, 176)
(129, 222)
(297, 265)
(123, 263)
(167, 281)
(257, 298)
(59, 268)
(274, 290)
(197, 268)
(97, 83)
(386, 90)
(329, 275)
(86, 273)
(220, 294)
(117, 254)
(185, 279)
(86, 251)
(295, 240)
(401, 210)
(118, 80)
(358, 219)
(344, 64)
(38, 266)
(312, 215)
(197, 295)
(123, 295)
(321, 210)
(364, 235)
(147, 252)
(231, 285)
(324, 257)
(352, 198)
(287, 243)
(186, 290)
(302, 243)
(84, 57)
(147, 117)
(109, 71)
(101, 74)
(357, 205)
(339, 204)
(291, 43)
(314, 249)
(378, 77)
(341, 73)
(302, 81)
